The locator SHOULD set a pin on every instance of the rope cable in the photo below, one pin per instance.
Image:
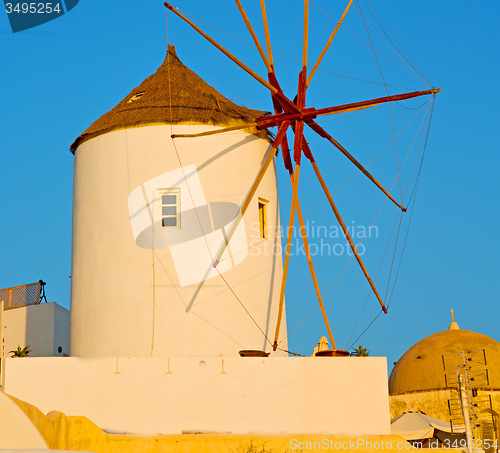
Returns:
(375, 279)
(379, 212)
(387, 91)
(393, 258)
(418, 152)
(245, 308)
(362, 333)
(413, 197)
(208, 248)
(358, 38)
(417, 74)
(394, 48)
(395, 246)
(296, 61)
(410, 63)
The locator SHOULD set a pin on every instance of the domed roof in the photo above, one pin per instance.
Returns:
(172, 95)
(422, 366)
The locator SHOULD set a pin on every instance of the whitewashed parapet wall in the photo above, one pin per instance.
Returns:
(335, 395)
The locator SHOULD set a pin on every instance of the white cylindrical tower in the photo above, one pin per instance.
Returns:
(151, 212)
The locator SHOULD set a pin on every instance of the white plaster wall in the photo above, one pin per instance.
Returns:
(231, 395)
(16, 429)
(62, 320)
(127, 300)
(42, 327)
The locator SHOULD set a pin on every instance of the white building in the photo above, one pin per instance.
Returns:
(41, 328)
(151, 213)
(155, 329)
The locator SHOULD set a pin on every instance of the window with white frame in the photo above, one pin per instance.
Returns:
(170, 208)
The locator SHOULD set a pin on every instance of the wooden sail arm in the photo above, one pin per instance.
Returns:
(347, 235)
(266, 32)
(325, 49)
(254, 36)
(265, 122)
(297, 145)
(318, 129)
(373, 102)
(295, 186)
(299, 125)
(280, 102)
(306, 36)
(217, 131)
(276, 143)
(279, 95)
(303, 233)
(260, 124)
(312, 113)
(222, 49)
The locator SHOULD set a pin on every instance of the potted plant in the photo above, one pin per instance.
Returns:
(360, 351)
(21, 352)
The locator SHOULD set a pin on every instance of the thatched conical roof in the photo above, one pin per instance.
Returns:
(172, 95)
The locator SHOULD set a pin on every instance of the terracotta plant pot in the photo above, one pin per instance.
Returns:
(253, 353)
(333, 353)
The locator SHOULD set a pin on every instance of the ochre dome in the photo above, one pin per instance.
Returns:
(421, 367)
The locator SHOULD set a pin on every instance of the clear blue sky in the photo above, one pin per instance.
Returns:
(61, 76)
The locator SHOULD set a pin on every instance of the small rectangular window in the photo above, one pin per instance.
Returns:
(263, 217)
(170, 208)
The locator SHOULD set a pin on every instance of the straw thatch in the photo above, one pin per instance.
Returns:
(172, 95)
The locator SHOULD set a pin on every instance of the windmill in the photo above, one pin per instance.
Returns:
(291, 115)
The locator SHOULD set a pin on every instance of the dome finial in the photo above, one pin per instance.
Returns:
(453, 325)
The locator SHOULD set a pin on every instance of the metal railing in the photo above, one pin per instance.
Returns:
(21, 296)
